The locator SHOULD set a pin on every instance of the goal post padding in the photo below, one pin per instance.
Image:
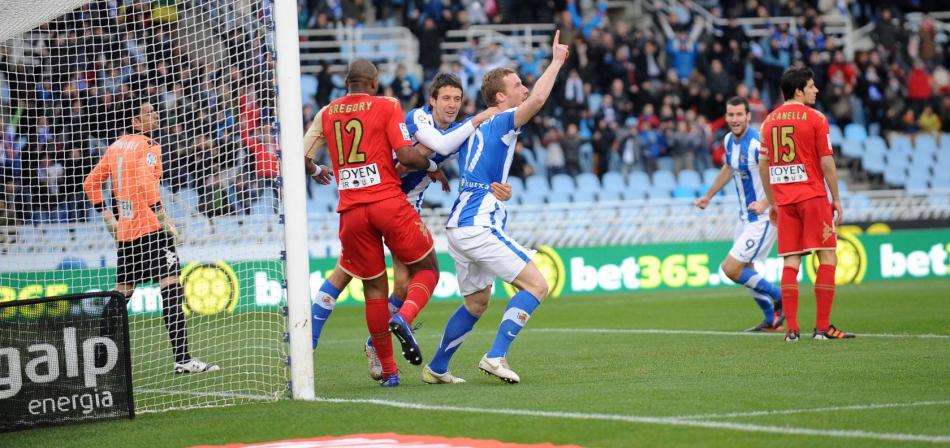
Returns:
(64, 360)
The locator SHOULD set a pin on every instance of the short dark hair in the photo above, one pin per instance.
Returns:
(739, 101)
(493, 83)
(795, 79)
(444, 80)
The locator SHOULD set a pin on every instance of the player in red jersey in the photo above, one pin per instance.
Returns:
(795, 162)
(362, 132)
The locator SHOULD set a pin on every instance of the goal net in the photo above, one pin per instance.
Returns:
(74, 79)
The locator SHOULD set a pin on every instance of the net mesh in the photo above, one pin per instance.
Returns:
(71, 87)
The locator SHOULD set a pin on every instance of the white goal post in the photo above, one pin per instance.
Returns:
(223, 77)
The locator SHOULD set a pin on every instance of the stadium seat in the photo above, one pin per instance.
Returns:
(532, 197)
(900, 142)
(537, 183)
(683, 192)
(517, 185)
(925, 142)
(852, 149)
(709, 175)
(558, 197)
(308, 89)
(608, 195)
(588, 181)
(664, 179)
(613, 181)
(855, 131)
(665, 163)
(945, 141)
(940, 182)
(834, 132)
(689, 178)
(873, 160)
(638, 179)
(584, 196)
(916, 184)
(635, 194)
(895, 176)
(659, 193)
(562, 182)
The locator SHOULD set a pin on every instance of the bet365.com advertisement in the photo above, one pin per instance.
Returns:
(219, 286)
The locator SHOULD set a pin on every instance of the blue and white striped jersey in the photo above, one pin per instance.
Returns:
(415, 183)
(743, 157)
(483, 159)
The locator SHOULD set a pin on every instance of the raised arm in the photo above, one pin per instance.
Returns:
(446, 144)
(542, 88)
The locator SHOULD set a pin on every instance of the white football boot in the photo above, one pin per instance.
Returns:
(375, 367)
(430, 377)
(498, 367)
(195, 365)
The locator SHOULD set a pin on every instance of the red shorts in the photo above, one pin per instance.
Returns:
(806, 226)
(363, 229)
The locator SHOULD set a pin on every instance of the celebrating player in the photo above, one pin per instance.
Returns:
(145, 235)
(476, 226)
(754, 235)
(433, 126)
(795, 163)
(363, 133)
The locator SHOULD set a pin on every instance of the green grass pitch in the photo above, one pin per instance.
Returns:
(595, 373)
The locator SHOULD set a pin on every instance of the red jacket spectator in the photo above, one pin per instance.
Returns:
(919, 84)
(264, 151)
(847, 69)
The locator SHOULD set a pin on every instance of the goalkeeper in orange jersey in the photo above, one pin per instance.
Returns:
(145, 235)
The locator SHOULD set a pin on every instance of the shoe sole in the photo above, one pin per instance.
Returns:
(503, 379)
(372, 375)
(187, 372)
(410, 350)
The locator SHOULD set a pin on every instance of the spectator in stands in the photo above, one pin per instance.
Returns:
(652, 146)
(604, 141)
(841, 65)
(681, 47)
(586, 26)
(571, 145)
(919, 86)
(430, 35)
(519, 164)
(573, 100)
(929, 121)
(553, 152)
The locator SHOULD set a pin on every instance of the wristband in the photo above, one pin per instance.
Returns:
(318, 171)
(433, 167)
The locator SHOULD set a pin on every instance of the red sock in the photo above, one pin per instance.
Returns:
(824, 295)
(377, 321)
(418, 293)
(790, 297)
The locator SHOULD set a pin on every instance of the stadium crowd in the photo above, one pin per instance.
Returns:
(641, 96)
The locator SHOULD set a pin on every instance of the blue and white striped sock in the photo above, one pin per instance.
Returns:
(320, 309)
(516, 316)
(457, 328)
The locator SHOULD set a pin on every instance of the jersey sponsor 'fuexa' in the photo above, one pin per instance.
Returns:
(485, 158)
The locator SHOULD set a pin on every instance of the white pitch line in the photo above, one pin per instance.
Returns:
(855, 407)
(716, 332)
(668, 421)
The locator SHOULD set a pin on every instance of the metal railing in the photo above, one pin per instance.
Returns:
(337, 47)
(524, 38)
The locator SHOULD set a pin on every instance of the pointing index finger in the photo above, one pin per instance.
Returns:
(557, 37)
